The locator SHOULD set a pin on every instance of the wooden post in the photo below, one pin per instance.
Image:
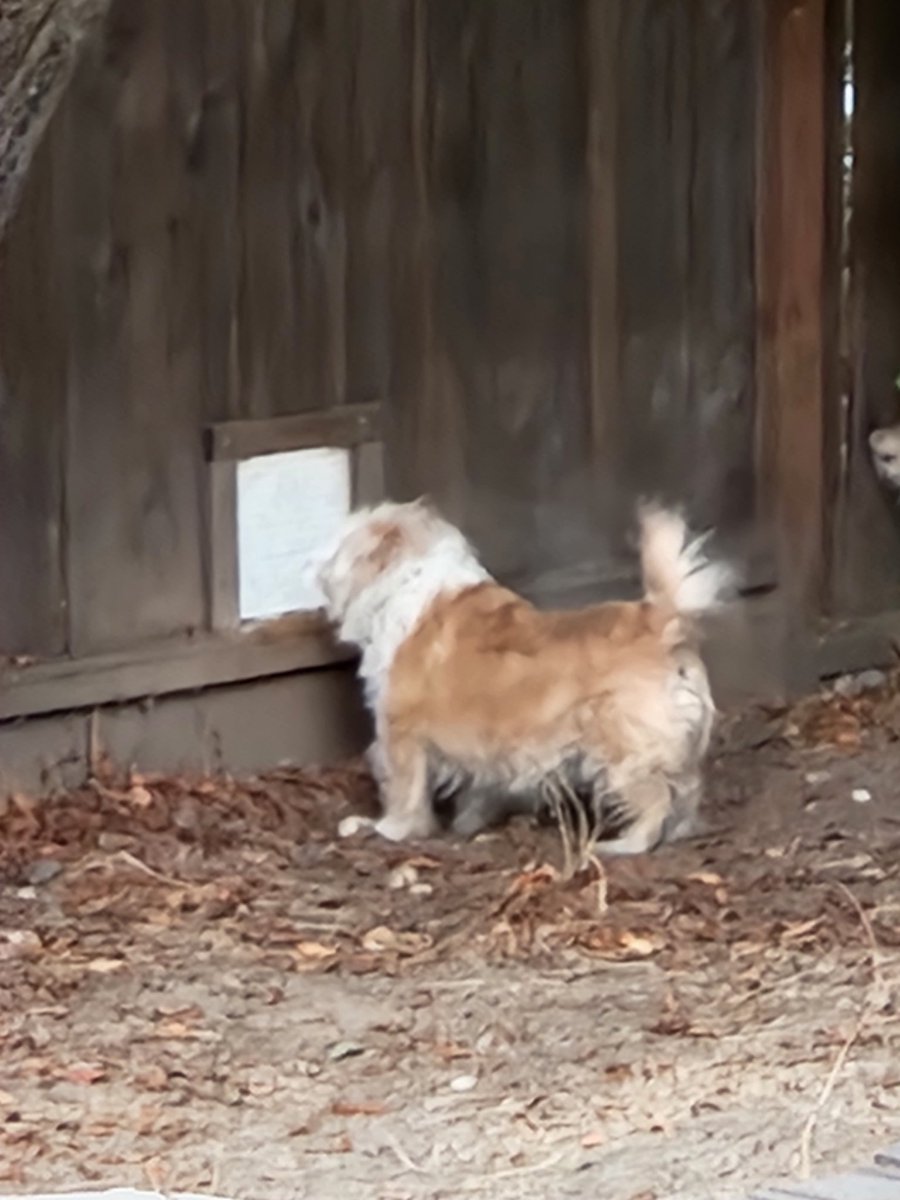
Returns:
(791, 239)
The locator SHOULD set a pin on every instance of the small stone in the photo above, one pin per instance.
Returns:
(350, 826)
(42, 871)
(421, 889)
(341, 1050)
(403, 876)
(860, 795)
(19, 943)
(864, 681)
(816, 777)
(463, 1083)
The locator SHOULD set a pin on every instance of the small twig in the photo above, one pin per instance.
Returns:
(872, 993)
(404, 1158)
(874, 952)
(602, 884)
(513, 1172)
(131, 861)
(824, 1096)
(100, 862)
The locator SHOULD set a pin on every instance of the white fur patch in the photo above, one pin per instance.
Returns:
(884, 445)
(380, 616)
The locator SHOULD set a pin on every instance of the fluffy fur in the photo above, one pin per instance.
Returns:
(884, 445)
(471, 686)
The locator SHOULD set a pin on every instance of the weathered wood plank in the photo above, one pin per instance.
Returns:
(134, 460)
(867, 557)
(292, 318)
(368, 474)
(224, 577)
(655, 205)
(205, 55)
(721, 295)
(376, 51)
(409, 235)
(169, 665)
(790, 282)
(348, 425)
(251, 726)
(600, 61)
(505, 429)
(32, 428)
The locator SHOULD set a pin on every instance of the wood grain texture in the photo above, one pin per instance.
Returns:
(167, 665)
(348, 425)
(525, 227)
(134, 466)
(791, 277)
(33, 617)
(867, 553)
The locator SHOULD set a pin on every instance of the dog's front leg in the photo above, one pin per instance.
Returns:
(684, 820)
(404, 791)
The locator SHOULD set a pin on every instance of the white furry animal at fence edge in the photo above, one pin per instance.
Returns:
(467, 680)
(884, 445)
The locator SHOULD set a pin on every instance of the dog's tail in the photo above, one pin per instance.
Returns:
(680, 581)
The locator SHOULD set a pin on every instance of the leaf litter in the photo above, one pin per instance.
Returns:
(198, 970)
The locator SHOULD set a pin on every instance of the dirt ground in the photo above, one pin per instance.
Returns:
(204, 990)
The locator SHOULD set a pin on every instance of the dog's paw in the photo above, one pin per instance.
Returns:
(686, 829)
(351, 826)
(398, 829)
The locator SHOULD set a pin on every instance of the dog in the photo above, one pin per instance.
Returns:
(472, 687)
(884, 446)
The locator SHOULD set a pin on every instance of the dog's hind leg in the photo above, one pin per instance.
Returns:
(642, 808)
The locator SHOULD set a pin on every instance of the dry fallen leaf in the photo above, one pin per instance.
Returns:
(105, 966)
(621, 945)
(175, 1031)
(596, 1137)
(708, 877)
(424, 862)
(19, 943)
(381, 940)
(153, 1078)
(365, 1108)
(156, 1171)
(139, 796)
(85, 1073)
(449, 1051)
(800, 929)
(315, 950)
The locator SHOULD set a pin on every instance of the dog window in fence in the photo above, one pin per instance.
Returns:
(280, 488)
(289, 508)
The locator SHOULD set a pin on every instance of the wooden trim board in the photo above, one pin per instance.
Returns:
(224, 593)
(348, 426)
(295, 643)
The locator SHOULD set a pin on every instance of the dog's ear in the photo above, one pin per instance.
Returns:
(422, 504)
(389, 541)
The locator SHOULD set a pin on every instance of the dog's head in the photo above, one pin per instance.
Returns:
(373, 548)
(884, 445)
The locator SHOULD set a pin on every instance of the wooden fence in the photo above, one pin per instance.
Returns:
(565, 253)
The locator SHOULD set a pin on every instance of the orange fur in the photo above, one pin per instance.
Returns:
(488, 678)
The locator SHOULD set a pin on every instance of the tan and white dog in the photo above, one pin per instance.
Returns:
(467, 681)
